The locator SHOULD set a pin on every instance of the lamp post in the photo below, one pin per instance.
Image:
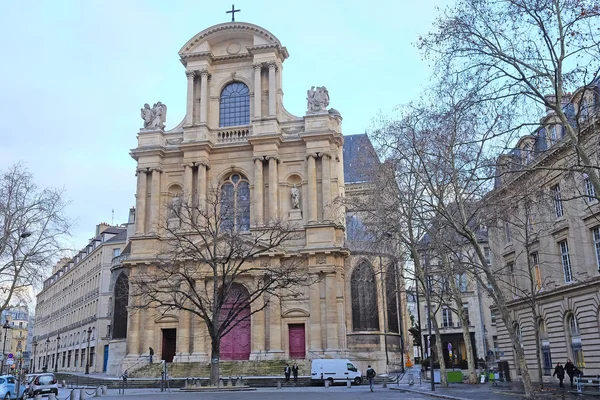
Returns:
(6, 327)
(34, 356)
(87, 354)
(46, 358)
(57, 347)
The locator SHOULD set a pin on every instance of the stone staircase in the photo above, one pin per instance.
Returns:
(270, 368)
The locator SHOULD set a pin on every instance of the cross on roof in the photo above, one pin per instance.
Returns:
(232, 12)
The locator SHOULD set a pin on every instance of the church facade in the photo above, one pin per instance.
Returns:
(237, 133)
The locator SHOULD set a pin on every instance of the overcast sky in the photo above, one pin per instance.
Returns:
(74, 75)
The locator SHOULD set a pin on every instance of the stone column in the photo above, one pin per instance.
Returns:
(258, 191)
(187, 182)
(257, 90)
(273, 188)
(272, 89)
(155, 200)
(189, 116)
(312, 188)
(315, 314)
(202, 185)
(140, 202)
(326, 185)
(274, 326)
(203, 96)
(331, 307)
(184, 333)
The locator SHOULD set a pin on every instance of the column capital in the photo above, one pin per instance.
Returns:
(259, 158)
(272, 65)
(257, 66)
(190, 74)
(203, 164)
(313, 155)
(157, 169)
(269, 158)
(323, 155)
(140, 170)
(204, 72)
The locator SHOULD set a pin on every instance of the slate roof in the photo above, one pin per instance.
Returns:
(121, 235)
(360, 159)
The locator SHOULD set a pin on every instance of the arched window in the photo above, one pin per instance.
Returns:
(519, 332)
(120, 311)
(390, 299)
(235, 203)
(234, 106)
(365, 313)
(574, 339)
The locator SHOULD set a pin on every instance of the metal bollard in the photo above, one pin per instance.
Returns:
(278, 384)
(38, 397)
(229, 382)
(348, 383)
(221, 382)
(97, 392)
(104, 390)
(81, 394)
(51, 396)
(239, 381)
(326, 383)
(72, 395)
(64, 383)
(384, 385)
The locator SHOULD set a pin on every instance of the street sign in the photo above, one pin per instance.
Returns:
(10, 355)
(1, 357)
(10, 361)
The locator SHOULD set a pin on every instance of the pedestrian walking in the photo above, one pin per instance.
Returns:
(151, 352)
(370, 375)
(570, 369)
(559, 372)
(287, 371)
(295, 372)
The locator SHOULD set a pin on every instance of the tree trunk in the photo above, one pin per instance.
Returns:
(469, 350)
(538, 353)
(440, 353)
(214, 363)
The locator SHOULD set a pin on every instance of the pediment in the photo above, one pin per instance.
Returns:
(223, 39)
(167, 318)
(295, 313)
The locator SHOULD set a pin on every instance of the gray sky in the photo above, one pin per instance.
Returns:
(76, 73)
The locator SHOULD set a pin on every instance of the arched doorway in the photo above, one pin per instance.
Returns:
(235, 345)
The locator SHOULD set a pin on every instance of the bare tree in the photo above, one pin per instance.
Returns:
(209, 254)
(32, 228)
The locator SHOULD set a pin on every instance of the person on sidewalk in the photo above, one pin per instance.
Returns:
(570, 369)
(559, 372)
(151, 352)
(287, 371)
(295, 372)
(370, 376)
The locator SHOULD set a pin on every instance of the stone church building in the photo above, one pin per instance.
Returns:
(237, 135)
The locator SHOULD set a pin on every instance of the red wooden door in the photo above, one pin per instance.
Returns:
(297, 341)
(235, 345)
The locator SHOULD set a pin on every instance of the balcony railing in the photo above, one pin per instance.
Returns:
(233, 135)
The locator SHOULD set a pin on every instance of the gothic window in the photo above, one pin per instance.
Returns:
(391, 299)
(235, 203)
(120, 311)
(365, 313)
(234, 106)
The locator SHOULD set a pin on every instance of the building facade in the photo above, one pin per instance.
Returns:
(72, 317)
(14, 338)
(546, 242)
(237, 133)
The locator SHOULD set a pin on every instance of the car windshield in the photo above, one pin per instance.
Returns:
(46, 379)
(30, 378)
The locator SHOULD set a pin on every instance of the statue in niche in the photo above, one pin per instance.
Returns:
(155, 117)
(295, 197)
(318, 99)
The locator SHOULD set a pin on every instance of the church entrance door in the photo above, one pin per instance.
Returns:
(169, 344)
(297, 341)
(235, 345)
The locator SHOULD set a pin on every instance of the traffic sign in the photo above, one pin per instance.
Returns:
(10, 361)
(10, 355)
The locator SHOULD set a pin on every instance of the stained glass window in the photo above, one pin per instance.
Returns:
(365, 313)
(235, 204)
(234, 106)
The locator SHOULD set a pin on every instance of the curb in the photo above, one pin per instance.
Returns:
(430, 394)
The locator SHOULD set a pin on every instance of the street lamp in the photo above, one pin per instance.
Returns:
(87, 354)
(46, 359)
(6, 327)
(34, 356)
(57, 346)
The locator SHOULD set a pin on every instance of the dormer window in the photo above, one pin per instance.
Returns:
(234, 105)
(554, 134)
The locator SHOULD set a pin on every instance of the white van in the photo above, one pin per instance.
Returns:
(334, 370)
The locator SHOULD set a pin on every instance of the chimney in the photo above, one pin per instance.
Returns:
(101, 227)
(131, 219)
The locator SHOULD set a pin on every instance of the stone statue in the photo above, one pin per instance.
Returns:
(155, 117)
(317, 99)
(295, 197)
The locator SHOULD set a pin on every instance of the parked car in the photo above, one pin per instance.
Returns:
(41, 384)
(8, 388)
(334, 370)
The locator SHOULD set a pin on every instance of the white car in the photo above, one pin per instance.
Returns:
(334, 370)
(41, 384)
